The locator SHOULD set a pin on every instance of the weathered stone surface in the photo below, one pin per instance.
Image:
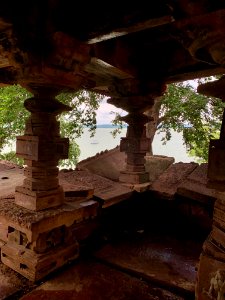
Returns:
(77, 192)
(11, 283)
(107, 164)
(155, 165)
(9, 179)
(36, 266)
(107, 191)
(195, 186)
(34, 223)
(167, 183)
(91, 280)
(112, 194)
(3, 232)
(162, 260)
(134, 144)
(41, 143)
(133, 177)
(211, 278)
(139, 187)
(216, 164)
(39, 200)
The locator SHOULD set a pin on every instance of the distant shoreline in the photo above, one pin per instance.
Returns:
(109, 126)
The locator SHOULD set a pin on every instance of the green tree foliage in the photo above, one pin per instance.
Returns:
(12, 113)
(13, 116)
(182, 105)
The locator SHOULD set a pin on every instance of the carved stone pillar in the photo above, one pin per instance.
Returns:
(135, 144)
(211, 270)
(41, 147)
(136, 98)
(42, 227)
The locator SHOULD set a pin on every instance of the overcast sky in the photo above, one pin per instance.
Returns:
(103, 114)
(105, 117)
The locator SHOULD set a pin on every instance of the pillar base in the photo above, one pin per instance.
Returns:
(134, 177)
(37, 243)
(38, 200)
(36, 266)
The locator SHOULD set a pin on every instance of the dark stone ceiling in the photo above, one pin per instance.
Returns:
(97, 46)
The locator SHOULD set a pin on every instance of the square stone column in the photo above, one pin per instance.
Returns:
(41, 147)
(135, 144)
(211, 269)
(40, 229)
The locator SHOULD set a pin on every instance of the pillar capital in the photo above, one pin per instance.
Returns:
(135, 87)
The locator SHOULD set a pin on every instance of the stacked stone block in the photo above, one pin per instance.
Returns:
(211, 269)
(41, 148)
(40, 227)
(37, 243)
(135, 144)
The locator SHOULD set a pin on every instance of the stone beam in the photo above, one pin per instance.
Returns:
(139, 26)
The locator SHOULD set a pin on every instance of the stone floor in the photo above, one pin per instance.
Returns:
(117, 271)
(144, 248)
(133, 255)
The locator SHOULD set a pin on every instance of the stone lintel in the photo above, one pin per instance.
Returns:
(34, 223)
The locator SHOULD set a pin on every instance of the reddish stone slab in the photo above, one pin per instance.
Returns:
(9, 179)
(107, 191)
(107, 163)
(161, 260)
(167, 183)
(33, 223)
(195, 186)
(95, 281)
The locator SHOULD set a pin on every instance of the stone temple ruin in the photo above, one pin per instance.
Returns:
(129, 52)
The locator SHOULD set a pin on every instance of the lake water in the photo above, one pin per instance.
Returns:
(103, 140)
